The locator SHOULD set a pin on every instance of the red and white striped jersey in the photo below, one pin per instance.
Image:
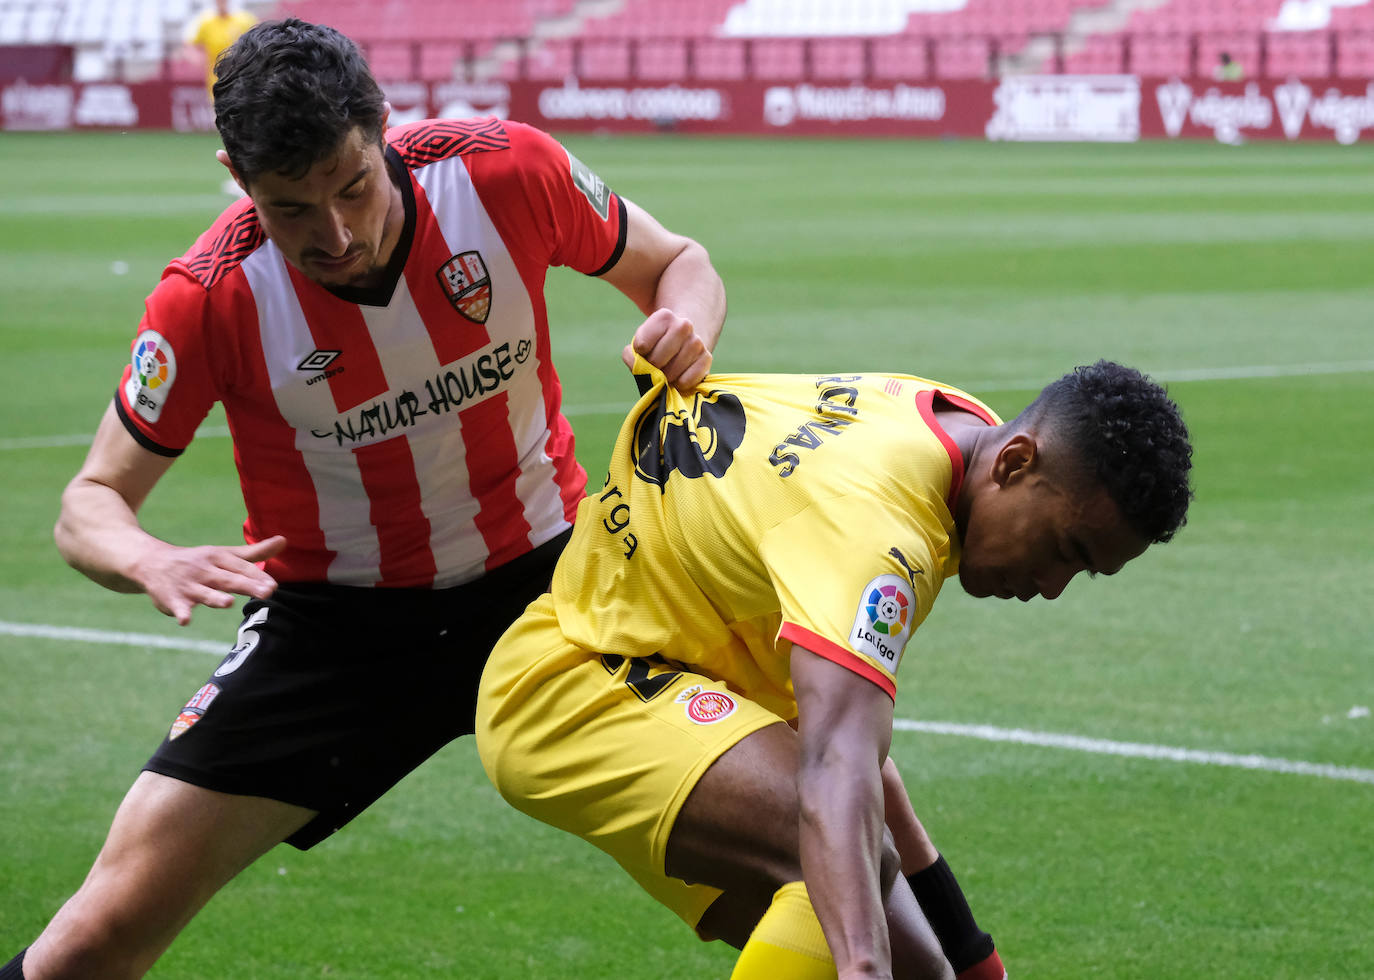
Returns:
(410, 435)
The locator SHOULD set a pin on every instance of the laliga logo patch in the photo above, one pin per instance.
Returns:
(155, 368)
(468, 284)
(887, 609)
(593, 188)
(194, 710)
(880, 627)
(706, 707)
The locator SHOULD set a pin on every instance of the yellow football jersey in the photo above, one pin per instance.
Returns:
(215, 34)
(762, 510)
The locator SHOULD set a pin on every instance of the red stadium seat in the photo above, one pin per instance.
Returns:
(605, 58)
(962, 57)
(900, 57)
(777, 58)
(1161, 54)
(665, 40)
(1306, 54)
(1355, 55)
(1099, 55)
(550, 60)
(662, 59)
(719, 59)
(837, 59)
(390, 60)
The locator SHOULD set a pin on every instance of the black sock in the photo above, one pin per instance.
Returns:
(947, 911)
(14, 969)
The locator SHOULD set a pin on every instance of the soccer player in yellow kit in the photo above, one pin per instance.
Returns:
(214, 32)
(706, 694)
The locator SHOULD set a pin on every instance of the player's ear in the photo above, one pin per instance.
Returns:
(1015, 459)
(223, 157)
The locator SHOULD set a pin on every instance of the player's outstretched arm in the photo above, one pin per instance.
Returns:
(845, 728)
(671, 279)
(99, 535)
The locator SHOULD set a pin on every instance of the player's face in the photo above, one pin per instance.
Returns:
(1031, 536)
(340, 222)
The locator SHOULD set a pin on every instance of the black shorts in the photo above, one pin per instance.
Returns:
(333, 694)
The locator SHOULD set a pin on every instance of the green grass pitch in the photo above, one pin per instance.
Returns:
(1244, 276)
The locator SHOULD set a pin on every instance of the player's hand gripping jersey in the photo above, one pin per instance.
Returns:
(762, 510)
(409, 435)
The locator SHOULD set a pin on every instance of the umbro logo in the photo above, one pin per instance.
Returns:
(317, 360)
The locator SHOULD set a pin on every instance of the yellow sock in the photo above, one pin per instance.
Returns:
(788, 943)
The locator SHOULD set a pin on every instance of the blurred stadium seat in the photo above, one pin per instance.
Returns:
(435, 40)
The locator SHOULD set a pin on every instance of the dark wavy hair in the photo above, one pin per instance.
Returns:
(288, 93)
(1127, 432)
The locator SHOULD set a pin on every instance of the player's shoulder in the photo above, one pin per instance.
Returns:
(431, 140)
(234, 236)
(929, 395)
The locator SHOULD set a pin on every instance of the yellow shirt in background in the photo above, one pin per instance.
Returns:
(214, 34)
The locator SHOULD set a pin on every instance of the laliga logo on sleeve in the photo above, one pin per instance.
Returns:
(887, 608)
(880, 627)
(155, 368)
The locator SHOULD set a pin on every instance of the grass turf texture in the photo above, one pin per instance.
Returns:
(990, 266)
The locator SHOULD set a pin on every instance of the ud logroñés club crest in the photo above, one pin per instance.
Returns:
(468, 284)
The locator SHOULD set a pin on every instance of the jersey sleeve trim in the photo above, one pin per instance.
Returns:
(835, 653)
(619, 242)
(137, 433)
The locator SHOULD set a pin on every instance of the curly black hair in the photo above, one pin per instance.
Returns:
(1130, 434)
(288, 93)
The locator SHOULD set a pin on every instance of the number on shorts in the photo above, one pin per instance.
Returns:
(247, 643)
(638, 679)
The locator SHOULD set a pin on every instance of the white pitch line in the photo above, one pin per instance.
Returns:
(988, 733)
(1137, 750)
(1266, 371)
(1244, 372)
(1238, 373)
(84, 439)
(81, 635)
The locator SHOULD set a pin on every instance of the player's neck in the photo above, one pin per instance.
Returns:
(974, 438)
(965, 428)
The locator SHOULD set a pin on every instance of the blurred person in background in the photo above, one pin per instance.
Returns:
(1228, 69)
(213, 33)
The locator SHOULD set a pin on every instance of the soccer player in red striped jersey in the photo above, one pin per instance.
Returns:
(372, 319)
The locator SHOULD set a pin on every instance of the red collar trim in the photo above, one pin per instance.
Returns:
(925, 403)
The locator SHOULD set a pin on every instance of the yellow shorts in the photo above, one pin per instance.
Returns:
(605, 747)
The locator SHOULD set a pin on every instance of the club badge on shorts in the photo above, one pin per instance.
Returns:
(195, 709)
(706, 707)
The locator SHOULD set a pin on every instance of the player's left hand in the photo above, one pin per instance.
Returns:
(670, 343)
